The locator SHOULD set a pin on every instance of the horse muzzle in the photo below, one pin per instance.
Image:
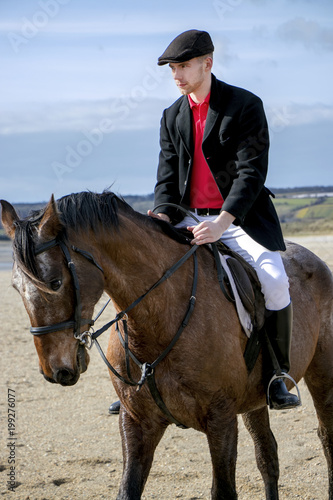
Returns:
(68, 376)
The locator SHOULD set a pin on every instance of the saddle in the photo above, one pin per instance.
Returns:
(246, 283)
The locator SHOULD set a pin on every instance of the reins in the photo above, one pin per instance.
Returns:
(148, 369)
(122, 316)
(88, 338)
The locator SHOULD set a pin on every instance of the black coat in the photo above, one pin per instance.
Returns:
(235, 145)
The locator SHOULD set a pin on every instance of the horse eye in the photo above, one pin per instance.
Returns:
(55, 285)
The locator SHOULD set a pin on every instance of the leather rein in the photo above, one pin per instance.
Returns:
(89, 337)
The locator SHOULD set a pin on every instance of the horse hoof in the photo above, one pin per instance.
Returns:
(114, 408)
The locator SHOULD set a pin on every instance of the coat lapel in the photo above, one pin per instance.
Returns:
(184, 125)
(215, 109)
(212, 116)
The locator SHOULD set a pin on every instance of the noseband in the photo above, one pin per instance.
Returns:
(78, 321)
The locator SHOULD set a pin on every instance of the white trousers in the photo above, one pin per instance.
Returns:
(267, 264)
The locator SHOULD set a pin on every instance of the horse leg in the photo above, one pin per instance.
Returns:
(257, 423)
(222, 440)
(139, 441)
(320, 385)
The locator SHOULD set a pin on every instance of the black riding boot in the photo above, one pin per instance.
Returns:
(278, 325)
(114, 408)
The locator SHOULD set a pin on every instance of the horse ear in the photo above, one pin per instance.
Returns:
(50, 225)
(8, 218)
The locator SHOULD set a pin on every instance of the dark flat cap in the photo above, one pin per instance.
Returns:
(191, 43)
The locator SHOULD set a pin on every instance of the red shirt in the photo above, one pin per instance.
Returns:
(204, 192)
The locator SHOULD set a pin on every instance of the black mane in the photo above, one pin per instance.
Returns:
(86, 209)
(81, 211)
(77, 211)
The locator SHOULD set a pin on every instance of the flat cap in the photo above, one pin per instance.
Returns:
(191, 43)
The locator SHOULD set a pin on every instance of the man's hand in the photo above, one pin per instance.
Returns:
(211, 231)
(159, 216)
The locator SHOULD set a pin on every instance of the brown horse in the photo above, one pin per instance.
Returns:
(203, 381)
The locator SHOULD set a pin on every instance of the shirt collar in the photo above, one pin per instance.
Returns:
(196, 105)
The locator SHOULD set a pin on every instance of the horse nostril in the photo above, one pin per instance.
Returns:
(65, 376)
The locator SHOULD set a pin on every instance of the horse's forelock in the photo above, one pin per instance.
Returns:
(24, 249)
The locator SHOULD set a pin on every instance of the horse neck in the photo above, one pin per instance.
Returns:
(133, 259)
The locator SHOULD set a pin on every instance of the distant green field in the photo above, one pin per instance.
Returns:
(305, 215)
(317, 211)
(288, 207)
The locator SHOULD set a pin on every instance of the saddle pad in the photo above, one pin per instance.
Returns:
(244, 285)
(243, 315)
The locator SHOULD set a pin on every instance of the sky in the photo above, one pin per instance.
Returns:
(81, 95)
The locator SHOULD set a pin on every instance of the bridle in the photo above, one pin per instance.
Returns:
(78, 321)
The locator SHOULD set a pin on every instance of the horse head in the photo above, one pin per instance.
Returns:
(49, 275)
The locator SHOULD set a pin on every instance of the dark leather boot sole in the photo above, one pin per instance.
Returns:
(284, 406)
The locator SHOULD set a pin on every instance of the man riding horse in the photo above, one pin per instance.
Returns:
(213, 161)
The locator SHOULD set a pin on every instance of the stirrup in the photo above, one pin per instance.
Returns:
(283, 375)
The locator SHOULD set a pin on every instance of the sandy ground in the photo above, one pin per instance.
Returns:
(68, 447)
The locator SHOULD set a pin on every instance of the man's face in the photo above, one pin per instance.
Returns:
(189, 75)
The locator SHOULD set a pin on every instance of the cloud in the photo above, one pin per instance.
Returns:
(295, 114)
(135, 112)
(28, 27)
(315, 113)
(132, 113)
(309, 33)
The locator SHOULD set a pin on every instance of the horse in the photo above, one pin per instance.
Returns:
(75, 248)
